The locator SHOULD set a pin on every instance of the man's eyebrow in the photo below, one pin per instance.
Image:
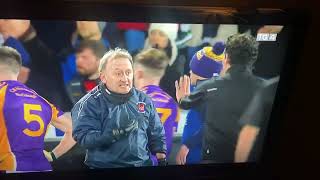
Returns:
(122, 69)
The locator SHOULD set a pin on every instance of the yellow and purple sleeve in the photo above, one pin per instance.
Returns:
(7, 158)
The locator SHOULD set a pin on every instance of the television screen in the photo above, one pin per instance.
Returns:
(99, 94)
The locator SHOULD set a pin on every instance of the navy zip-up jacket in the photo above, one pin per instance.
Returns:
(117, 130)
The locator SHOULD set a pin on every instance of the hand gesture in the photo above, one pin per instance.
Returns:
(182, 87)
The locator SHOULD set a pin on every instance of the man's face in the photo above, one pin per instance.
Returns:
(87, 63)
(159, 39)
(118, 75)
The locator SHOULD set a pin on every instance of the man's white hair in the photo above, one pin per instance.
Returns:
(112, 54)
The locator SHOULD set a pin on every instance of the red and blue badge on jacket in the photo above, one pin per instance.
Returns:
(141, 107)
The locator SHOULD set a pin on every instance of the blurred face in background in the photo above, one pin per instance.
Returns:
(87, 62)
(158, 39)
(118, 75)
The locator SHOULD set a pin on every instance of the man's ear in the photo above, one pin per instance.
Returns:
(102, 78)
(139, 74)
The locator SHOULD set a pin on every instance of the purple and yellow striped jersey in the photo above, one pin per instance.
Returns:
(167, 109)
(24, 118)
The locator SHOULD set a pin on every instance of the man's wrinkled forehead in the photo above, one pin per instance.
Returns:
(116, 63)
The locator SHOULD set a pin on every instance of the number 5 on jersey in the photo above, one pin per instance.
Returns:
(29, 117)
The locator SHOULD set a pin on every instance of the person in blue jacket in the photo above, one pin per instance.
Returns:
(205, 64)
(116, 123)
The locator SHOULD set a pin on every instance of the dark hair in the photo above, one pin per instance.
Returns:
(152, 58)
(242, 49)
(97, 47)
(11, 58)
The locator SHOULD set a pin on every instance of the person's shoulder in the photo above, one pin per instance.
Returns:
(270, 87)
(22, 91)
(273, 81)
(91, 97)
(11, 83)
(142, 96)
(11, 86)
(256, 81)
(16, 86)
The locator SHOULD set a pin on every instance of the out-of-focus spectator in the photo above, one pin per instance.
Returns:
(223, 32)
(86, 30)
(88, 55)
(113, 35)
(188, 41)
(45, 75)
(162, 36)
(184, 35)
(56, 35)
(201, 37)
(134, 35)
(207, 35)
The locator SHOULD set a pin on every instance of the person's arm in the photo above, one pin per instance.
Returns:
(156, 135)
(89, 30)
(182, 154)
(190, 129)
(250, 122)
(64, 123)
(87, 130)
(186, 99)
(192, 141)
(245, 142)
